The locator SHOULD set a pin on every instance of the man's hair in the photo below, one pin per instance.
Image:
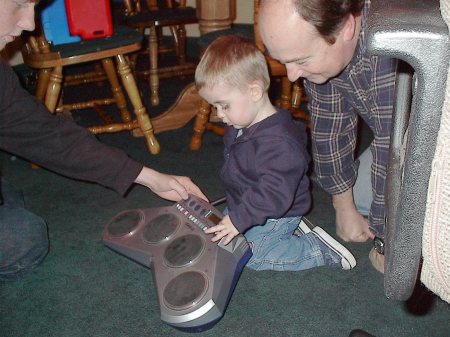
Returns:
(327, 16)
(233, 61)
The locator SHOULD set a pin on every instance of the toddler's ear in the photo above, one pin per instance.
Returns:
(256, 90)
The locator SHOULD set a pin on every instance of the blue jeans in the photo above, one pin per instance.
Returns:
(23, 236)
(275, 247)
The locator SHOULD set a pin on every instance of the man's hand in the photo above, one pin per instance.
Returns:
(224, 228)
(167, 186)
(351, 226)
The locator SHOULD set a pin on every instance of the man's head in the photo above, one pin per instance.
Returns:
(315, 39)
(15, 17)
(232, 75)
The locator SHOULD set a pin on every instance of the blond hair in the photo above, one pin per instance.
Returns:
(233, 61)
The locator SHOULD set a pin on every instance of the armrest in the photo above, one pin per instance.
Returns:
(412, 31)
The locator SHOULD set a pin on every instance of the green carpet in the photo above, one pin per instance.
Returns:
(85, 289)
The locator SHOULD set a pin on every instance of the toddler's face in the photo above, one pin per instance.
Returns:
(234, 106)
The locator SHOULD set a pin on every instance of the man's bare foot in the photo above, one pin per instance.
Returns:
(351, 226)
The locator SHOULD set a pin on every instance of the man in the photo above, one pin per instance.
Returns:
(324, 42)
(28, 130)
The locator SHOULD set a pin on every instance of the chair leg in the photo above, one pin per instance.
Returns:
(42, 84)
(153, 60)
(176, 39)
(298, 97)
(200, 125)
(133, 58)
(54, 89)
(286, 93)
(119, 97)
(181, 44)
(131, 88)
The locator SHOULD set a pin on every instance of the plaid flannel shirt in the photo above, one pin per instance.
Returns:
(366, 89)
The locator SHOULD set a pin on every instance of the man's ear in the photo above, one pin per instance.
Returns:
(349, 29)
(256, 90)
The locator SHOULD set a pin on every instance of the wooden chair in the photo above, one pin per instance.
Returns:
(292, 94)
(50, 60)
(153, 15)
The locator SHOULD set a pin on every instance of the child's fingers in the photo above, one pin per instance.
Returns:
(218, 236)
(213, 229)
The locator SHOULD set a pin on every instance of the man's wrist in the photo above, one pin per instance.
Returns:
(343, 200)
(378, 245)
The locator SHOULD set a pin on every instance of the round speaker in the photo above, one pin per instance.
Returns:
(184, 250)
(160, 228)
(185, 290)
(124, 223)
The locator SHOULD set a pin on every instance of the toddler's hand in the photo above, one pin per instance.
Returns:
(222, 229)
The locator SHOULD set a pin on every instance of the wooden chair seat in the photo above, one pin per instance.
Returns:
(50, 61)
(123, 41)
(162, 17)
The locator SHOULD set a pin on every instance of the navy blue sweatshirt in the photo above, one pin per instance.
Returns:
(265, 171)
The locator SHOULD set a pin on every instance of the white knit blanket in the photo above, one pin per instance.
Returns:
(436, 233)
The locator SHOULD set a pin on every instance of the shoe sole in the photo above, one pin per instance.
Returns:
(304, 227)
(348, 261)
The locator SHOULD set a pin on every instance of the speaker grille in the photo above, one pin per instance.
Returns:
(160, 228)
(183, 250)
(124, 223)
(185, 290)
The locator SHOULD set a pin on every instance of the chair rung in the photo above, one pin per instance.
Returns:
(112, 128)
(95, 76)
(87, 105)
(179, 70)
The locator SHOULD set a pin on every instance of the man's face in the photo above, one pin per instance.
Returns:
(297, 44)
(15, 17)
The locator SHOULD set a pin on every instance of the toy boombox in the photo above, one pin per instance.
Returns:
(194, 277)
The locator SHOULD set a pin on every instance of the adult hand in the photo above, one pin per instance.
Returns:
(167, 186)
(351, 226)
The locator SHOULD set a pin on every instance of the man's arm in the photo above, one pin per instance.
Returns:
(333, 129)
(28, 130)
(168, 186)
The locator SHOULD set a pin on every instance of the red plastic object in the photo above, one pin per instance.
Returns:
(89, 19)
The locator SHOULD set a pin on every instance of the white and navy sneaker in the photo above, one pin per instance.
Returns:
(334, 254)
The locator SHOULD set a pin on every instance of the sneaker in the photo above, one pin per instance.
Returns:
(304, 227)
(335, 254)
